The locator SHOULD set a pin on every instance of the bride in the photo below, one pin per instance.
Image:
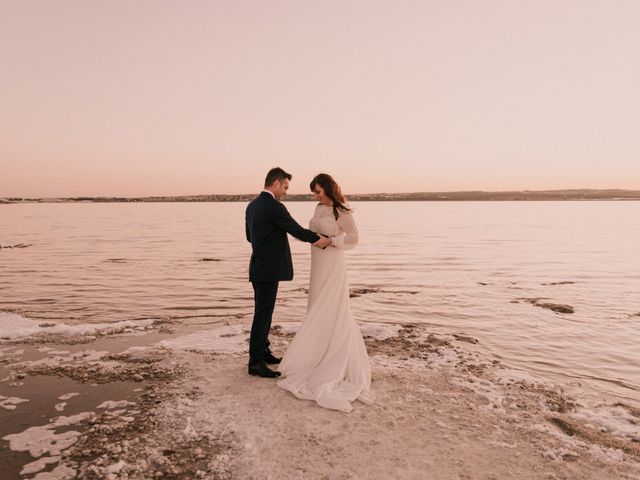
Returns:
(327, 360)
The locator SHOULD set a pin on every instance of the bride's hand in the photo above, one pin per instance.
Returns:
(324, 242)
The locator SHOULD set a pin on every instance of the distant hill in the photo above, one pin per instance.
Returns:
(518, 195)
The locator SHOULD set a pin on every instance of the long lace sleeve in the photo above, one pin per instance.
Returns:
(348, 239)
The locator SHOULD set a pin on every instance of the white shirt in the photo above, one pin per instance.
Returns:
(270, 193)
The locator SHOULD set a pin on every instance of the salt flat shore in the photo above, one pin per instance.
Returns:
(154, 399)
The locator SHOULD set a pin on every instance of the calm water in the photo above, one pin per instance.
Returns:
(459, 266)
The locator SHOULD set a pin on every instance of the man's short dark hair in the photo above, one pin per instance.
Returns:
(276, 174)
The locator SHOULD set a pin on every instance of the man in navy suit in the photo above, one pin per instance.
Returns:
(267, 223)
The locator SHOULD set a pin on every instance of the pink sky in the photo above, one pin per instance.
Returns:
(189, 97)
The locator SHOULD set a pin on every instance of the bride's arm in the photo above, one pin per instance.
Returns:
(349, 239)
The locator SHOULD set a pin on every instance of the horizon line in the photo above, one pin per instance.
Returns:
(423, 192)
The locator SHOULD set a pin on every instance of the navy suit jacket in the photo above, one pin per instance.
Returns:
(267, 222)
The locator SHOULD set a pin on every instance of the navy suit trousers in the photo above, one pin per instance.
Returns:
(264, 295)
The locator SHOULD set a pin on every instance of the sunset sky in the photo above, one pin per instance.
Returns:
(190, 97)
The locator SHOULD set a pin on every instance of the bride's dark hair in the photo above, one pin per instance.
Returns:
(331, 190)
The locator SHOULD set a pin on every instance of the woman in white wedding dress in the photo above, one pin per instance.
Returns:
(327, 360)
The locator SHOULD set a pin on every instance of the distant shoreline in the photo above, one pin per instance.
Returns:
(522, 195)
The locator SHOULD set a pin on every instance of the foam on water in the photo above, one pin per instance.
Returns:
(14, 326)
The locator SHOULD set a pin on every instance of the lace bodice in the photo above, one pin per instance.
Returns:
(343, 231)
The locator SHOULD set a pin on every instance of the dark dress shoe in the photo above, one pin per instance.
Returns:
(261, 370)
(270, 357)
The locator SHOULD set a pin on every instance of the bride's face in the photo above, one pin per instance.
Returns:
(318, 192)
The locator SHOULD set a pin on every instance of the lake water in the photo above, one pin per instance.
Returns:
(460, 267)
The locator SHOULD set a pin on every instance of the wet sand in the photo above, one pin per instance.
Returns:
(175, 401)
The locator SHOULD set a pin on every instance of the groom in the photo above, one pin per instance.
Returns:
(267, 223)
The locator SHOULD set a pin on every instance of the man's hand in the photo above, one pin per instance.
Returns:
(324, 242)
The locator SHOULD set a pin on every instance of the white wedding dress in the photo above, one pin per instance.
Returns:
(327, 359)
